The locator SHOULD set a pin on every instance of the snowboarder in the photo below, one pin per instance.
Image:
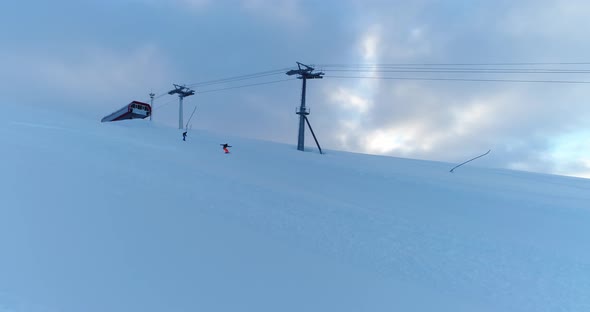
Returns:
(225, 146)
(184, 136)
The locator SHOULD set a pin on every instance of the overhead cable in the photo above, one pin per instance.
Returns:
(462, 79)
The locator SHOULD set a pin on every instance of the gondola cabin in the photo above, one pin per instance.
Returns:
(132, 110)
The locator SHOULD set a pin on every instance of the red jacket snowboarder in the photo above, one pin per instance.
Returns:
(225, 146)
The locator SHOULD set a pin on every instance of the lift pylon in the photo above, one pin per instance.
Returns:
(304, 72)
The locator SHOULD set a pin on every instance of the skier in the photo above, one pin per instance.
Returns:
(225, 146)
(184, 136)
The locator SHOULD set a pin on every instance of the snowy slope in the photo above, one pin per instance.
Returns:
(127, 217)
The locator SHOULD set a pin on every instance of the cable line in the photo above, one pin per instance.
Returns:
(452, 64)
(163, 93)
(229, 88)
(165, 104)
(241, 77)
(248, 85)
(431, 68)
(465, 71)
(464, 79)
(234, 79)
(458, 68)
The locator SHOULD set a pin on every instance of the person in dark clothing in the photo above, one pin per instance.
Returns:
(225, 146)
(184, 136)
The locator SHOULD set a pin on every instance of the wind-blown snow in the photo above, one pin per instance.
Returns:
(126, 216)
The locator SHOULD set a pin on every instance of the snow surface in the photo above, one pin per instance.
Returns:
(126, 216)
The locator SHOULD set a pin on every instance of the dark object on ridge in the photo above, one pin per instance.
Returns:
(184, 136)
(472, 159)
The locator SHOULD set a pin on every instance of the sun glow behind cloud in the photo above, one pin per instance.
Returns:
(402, 138)
(572, 154)
(354, 102)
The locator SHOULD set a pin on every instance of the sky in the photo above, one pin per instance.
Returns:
(92, 57)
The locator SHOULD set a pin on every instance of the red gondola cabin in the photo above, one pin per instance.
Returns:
(132, 110)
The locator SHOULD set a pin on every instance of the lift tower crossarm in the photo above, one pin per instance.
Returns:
(305, 73)
(182, 92)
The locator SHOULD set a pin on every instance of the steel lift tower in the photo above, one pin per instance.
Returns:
(304, 72)
(152, 104)
(182, 92)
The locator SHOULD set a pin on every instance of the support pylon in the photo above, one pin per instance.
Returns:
(304, 72)
(152, 104)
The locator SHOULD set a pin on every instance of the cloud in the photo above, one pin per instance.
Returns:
(182, 4)
(369, 44)
(284, 11)
(546, 18)
(414, 121)
(525, 125)
(88, 78)
(449, 121)
(349, 101)
(401, 139)
(411, 119)
(195, 4)
(581, 170)
(104, 70)
(570, 152)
